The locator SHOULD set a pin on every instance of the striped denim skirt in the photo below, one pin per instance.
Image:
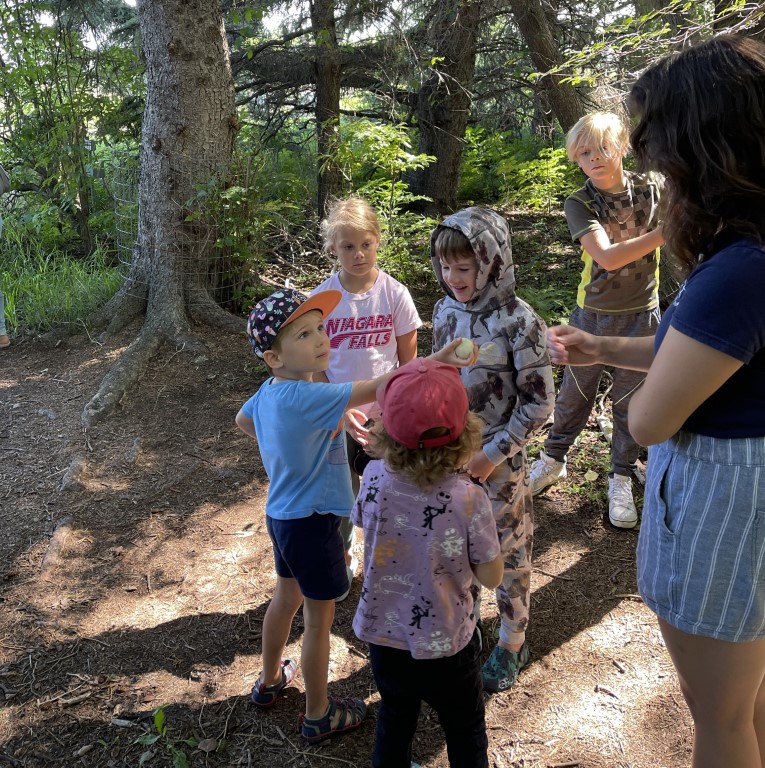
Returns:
(701, 551)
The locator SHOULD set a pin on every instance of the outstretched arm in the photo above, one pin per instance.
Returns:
(683, 375)
(571, 346)
(366, 391)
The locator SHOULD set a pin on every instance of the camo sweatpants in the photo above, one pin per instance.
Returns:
(579, 389)
(509, 490)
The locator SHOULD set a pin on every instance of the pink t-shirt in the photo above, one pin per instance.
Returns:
(364, 326)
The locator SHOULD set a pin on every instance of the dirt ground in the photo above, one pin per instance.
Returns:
(135, 570)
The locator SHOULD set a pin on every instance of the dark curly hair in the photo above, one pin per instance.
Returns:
(701, 123)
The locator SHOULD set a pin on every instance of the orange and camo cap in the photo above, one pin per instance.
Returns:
(271, 314)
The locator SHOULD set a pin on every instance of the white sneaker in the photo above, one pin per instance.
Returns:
(546, 471)
(621, 505)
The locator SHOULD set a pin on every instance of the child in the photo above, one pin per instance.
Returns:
(372, 330)
(614, 218)
(426, 532)
(511, 388)
(295, 422)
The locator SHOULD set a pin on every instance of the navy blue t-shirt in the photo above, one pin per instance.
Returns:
(722, 305)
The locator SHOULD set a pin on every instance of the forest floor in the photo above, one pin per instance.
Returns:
(135, 570)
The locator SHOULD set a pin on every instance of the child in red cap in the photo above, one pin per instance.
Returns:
(427, 532)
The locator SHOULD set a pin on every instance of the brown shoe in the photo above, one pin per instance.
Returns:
(4, 341)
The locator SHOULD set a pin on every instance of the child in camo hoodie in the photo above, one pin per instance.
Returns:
(511, 388)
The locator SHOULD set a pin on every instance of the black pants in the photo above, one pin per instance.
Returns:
(451, 685)
(358, 458)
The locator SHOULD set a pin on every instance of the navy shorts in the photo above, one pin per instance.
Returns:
(310, 550)
(701, 551)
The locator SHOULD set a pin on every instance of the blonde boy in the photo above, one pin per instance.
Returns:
(614, 217)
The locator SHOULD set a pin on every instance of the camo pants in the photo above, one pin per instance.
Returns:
(509, 490)
(579, 389)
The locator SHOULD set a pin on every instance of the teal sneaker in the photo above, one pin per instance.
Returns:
(501, 669)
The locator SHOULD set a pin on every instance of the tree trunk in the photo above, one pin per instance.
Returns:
(327, 99)
(674, 19)
(539, 37)
(444, 100)
(188, 132)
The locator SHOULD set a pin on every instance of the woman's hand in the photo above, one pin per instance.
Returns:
(571, 346)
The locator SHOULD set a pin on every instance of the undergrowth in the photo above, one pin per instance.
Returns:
(47, 290)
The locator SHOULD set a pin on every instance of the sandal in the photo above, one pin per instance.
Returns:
(4, 341)
(264, 696)
(342, 715)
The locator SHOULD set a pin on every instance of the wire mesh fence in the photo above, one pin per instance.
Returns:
(228, 236)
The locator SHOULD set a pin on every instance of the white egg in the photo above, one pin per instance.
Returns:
(465, 349)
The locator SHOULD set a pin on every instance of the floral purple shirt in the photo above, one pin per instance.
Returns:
(418, 546)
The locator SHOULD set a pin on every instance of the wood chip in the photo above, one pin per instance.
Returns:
(75, 699)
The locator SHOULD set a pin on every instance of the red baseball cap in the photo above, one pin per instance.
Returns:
(422, 395)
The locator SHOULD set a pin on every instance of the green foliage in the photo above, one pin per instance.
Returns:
(518, 172)
(250, 205)
(541, 182)
(374, 158)
(45, 289)
(405, 234)
(623, 43)
(367, 148)
(547, 265)
(59, 91)
(174, 747)
(481, 179)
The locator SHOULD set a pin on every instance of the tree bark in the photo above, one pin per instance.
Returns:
(188, 133)
(539, 37)
(327, 99)
(444, 100)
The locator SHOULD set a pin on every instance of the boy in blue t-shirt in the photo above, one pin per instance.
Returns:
(296, 422)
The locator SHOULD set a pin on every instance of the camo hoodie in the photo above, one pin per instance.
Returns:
(511, 385)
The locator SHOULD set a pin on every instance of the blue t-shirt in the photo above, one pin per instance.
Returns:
(304, 455)
(722, 305)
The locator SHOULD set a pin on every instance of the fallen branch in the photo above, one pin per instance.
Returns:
(56, 544)
(553, 575)
(76, 699)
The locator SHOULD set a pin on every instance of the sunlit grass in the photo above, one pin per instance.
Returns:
(46, 290)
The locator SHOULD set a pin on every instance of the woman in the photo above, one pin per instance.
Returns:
(701, 552)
